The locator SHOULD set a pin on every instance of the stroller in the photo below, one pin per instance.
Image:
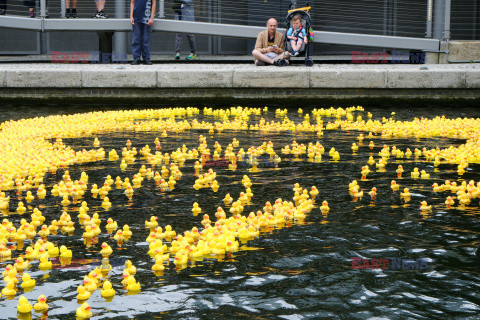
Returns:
(306, 48)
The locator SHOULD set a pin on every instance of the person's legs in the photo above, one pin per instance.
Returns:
(261, 57)
(191, 42)
(136, 41)
(146, 42)
(178, 42)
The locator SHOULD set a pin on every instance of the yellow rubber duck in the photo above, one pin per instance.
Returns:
(215, 186)
(132, 284)
(106, 250)
(23, 305)
(405, 193)
(45, 263)
(21, 264)
(106, 204)
(425, 207)
(373, 193)
(130, 268)
(29, 197)
(27, 281)
(65, 202)
(89, 284)
(94, 190)
(107, 290)
(415, 174)
(111, 225)
(424, 175)
(152, 224)
(21, 208)
(399, 171)
(126, 231)
(83, 293)
(83, 311)
(10, 289)
(449, 201)
(196, 209)
(394, 186)
(354, 147)
(158, 266)
(41, 305)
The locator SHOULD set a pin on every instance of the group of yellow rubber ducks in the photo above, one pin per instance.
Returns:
(42, 151)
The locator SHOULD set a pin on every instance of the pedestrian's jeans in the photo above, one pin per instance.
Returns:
(141, 41)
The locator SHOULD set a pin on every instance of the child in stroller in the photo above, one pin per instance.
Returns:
(296, 34)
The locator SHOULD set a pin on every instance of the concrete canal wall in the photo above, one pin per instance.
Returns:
(47, 81)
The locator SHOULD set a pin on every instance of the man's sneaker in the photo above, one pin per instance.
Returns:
(68, 13)
(177, 56)
(3, 12)
(136, 62)
(259, 63)
(147, 62)
(74, 13)
(191, 56)
(100, 15)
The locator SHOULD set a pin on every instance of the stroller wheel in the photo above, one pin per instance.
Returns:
(308, 62)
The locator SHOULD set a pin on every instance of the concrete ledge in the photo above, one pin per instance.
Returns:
(194, 78)
(472, 78)
(271, 77)
(3, 79)
(119, 78)
(50, 78)
(348, 78)
(425, 79)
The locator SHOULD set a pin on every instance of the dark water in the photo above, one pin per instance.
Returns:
(303, 271)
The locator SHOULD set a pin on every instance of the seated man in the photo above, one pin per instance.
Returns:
(269, 46)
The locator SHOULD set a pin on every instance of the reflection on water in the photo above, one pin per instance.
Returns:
(300, 270)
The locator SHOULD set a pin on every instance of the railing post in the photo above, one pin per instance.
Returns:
(43, 8)
(428, 34)
(161, 9)
(119, 38)
(446, 27)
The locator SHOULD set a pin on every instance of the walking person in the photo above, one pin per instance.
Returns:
(100, 4)
(71, 12)
(184, 11)
(142, 13)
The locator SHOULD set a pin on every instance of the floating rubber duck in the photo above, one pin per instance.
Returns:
(324, 208)
(373, 193)
(111, 225)
(45, 263)
(41, 305)
(130, 268)
(415, 174)
(132, 284)
(158, 266)
(65, 202)
(10, 289)
(449, 202)
(27, 281)
(313, 192)
(107, 290)
(365, 172)
(23, 305)
(399, 171)
(106, 204)
(89, 283)
(106, 250)
(126, 231)
(196, 209)
(83, 311)
(119, 237)
(29, 197)
(394, 186)
(83, 293)
(371, 145)
(424, 175)
(20, 264)
(21, 208)
(405, 193)
(425, 207)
